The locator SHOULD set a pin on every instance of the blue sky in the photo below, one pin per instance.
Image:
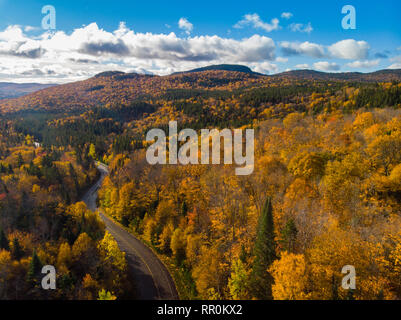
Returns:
(89, 37)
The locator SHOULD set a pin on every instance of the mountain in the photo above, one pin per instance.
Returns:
(222, 67)
(377, 76)
(13, 90)
(113, 87)
(119, 88)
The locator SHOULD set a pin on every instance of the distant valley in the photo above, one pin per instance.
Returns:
(14, 90)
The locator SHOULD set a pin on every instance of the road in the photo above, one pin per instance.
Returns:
(152, 280)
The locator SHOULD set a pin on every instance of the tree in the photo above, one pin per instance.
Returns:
(238, 281)
(106, 295)
(178, 245)
(288, 235)
(184, 208)
(35, 267)
(265, 254)
(290, 281)
(20, 160)
(3, 240)
(92, 151)
(112, 253)
(16, 250)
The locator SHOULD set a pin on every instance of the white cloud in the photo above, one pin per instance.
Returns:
(326, 66)
(264, 67)
(397, 62)
(363, 64)
(30, 28)
(185, 25)
(395, 66)
(255, 21)
(306, 48)
(286, 15)
(350, 49)
(88, 50)
(302, 66)
(346, 49)
(300, 27)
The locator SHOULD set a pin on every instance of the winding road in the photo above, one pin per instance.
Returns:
(152, 280)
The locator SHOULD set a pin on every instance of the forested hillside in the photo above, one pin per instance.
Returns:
(325, 192)
(42, 223)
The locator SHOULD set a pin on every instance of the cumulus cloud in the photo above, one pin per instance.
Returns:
(264, 67)
(14, 43)
(185, 25)
(350, 49)
(123, 49)
(302, 66)
(346, 49)
(363, 64)
(255, 21)
(30, 28)
(300, 27)
(326, 66)
(396, 64)
(286, 15)
(306, 48)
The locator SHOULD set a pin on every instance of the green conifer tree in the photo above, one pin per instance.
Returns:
(35, 267)
(265, 254)
(16, 250)
(3, 240)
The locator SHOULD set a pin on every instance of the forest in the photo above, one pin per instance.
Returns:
(325, 192)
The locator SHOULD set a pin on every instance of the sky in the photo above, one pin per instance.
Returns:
(84, 38)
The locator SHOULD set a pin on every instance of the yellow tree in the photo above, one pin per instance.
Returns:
(290, 277)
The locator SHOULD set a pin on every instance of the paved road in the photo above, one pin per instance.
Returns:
(152, 280)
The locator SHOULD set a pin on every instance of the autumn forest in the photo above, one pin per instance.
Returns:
(325, 191)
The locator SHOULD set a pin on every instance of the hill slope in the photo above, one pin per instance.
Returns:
(111, 88)
(379, 76)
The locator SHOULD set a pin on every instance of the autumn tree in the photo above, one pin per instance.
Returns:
(290, 277)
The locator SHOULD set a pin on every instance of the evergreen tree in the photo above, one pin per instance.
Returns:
(289, 235)
(20, 160)
(243, 255)
(74, 177)
(334, 288)
(3, 240)
(35, 267)
(16, 250)
(184, 208)
(265, 254)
